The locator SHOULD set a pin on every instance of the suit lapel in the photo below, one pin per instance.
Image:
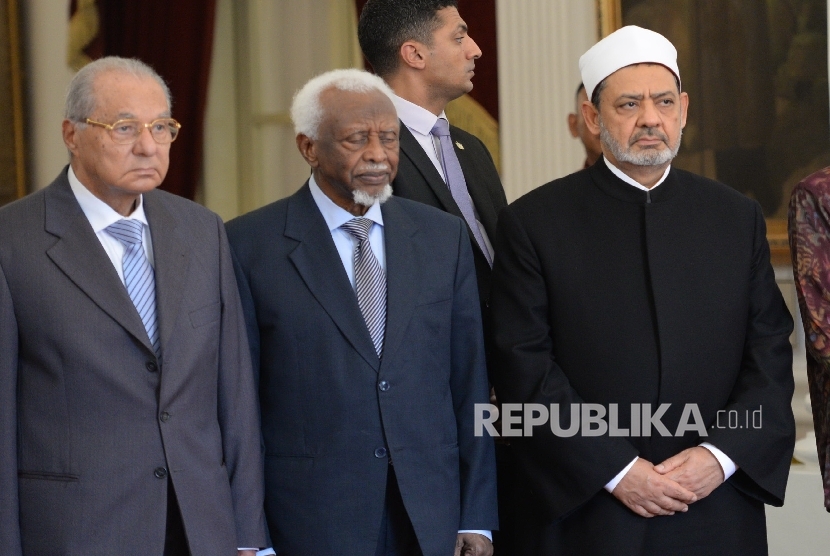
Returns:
(415, 152)
(475, 186)
(319, 265)
(401, 274)
(79, 255)
(171, 262)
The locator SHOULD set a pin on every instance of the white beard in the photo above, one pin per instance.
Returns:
(364, 199)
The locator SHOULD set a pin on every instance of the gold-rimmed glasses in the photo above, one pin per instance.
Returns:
(127, 132)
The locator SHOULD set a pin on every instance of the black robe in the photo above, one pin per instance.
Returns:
(604, 293)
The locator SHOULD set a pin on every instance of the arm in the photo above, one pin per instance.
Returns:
(238, 411)
(809, 231)
(9, 505)
(468, 387)
(765, 382)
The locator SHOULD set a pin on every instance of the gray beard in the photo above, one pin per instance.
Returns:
(364, 199)
(643, 158)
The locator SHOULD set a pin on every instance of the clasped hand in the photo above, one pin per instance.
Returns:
(650, 490)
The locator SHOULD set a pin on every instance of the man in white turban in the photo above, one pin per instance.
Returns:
(640, 299)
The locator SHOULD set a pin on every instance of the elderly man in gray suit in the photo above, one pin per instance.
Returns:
(128, 420)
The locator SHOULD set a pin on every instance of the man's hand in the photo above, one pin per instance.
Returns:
(647, 493)
(247, 553)
(473, 544)
(696, 469)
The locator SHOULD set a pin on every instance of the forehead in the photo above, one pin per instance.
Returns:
(345, 110)
(120, 94)
(641, 77)
(450, 19)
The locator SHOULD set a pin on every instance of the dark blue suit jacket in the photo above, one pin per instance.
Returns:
(327, 422)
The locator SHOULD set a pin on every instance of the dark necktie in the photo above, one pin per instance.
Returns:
(457, 183)
(138, 274)
(369, 281)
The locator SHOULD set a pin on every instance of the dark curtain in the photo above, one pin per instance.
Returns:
(480, 16)
(175, 37)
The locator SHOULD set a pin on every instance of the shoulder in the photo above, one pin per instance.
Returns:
(258, 221)
(187, 213)
(816, 185)
(554, 194)
(711, 192)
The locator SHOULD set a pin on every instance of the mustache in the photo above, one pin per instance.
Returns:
(649, 132)
(375, 168)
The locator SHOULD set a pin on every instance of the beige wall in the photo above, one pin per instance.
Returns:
(47, 75)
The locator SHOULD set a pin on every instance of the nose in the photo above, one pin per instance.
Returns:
(145, 144)
(374, 151)
(649, 115)
(473, 51)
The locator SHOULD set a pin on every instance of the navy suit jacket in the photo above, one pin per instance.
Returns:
(333, 413)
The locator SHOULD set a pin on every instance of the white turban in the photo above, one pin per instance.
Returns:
(625, 47)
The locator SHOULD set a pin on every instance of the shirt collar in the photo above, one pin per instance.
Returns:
(631, 181)
(335, 216)
(100, 214)
(416, 117)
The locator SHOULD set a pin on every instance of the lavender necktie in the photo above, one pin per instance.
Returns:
(457, 183)
(139, 277)
(369, 281)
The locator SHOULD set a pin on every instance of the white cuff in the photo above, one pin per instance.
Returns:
(488, 534)
(612, 484)
(263, 552)
(726, 464)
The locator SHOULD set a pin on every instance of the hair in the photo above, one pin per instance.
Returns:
(306, 110)
(386, 24)
(80, 95)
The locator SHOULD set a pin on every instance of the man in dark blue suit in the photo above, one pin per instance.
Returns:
(364, 322)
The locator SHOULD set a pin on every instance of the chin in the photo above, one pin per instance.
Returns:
(366, 199)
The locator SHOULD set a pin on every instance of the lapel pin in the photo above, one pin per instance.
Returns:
(459, 145)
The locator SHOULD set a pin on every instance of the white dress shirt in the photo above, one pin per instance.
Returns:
(420, 122)
(727, 465)
(100, 216)
(335, 216)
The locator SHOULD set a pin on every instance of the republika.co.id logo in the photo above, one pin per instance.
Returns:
(593, 419)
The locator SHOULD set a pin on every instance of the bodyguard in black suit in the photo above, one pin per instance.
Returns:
(422, 50)
(369, 347)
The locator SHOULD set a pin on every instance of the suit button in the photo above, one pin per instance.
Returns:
(160, 472)
(380, 452)
(165, 417)
(152, 367)
(383, 386)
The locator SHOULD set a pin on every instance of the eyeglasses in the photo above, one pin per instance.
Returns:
(127, 132)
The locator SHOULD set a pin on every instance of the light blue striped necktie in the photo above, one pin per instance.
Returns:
(369, 281)
(138, 274)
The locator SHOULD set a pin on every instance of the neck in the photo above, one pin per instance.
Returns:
(344, 201)
(647, 176)
(121, 202)
(409, 87)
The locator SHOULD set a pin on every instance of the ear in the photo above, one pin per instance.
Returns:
(573, 119)
(591, 116)
(70, 136)
(308, 148)
(413, 54)
(684, 108)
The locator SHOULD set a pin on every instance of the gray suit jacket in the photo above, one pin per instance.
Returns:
(91, 422)
(333, 412)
